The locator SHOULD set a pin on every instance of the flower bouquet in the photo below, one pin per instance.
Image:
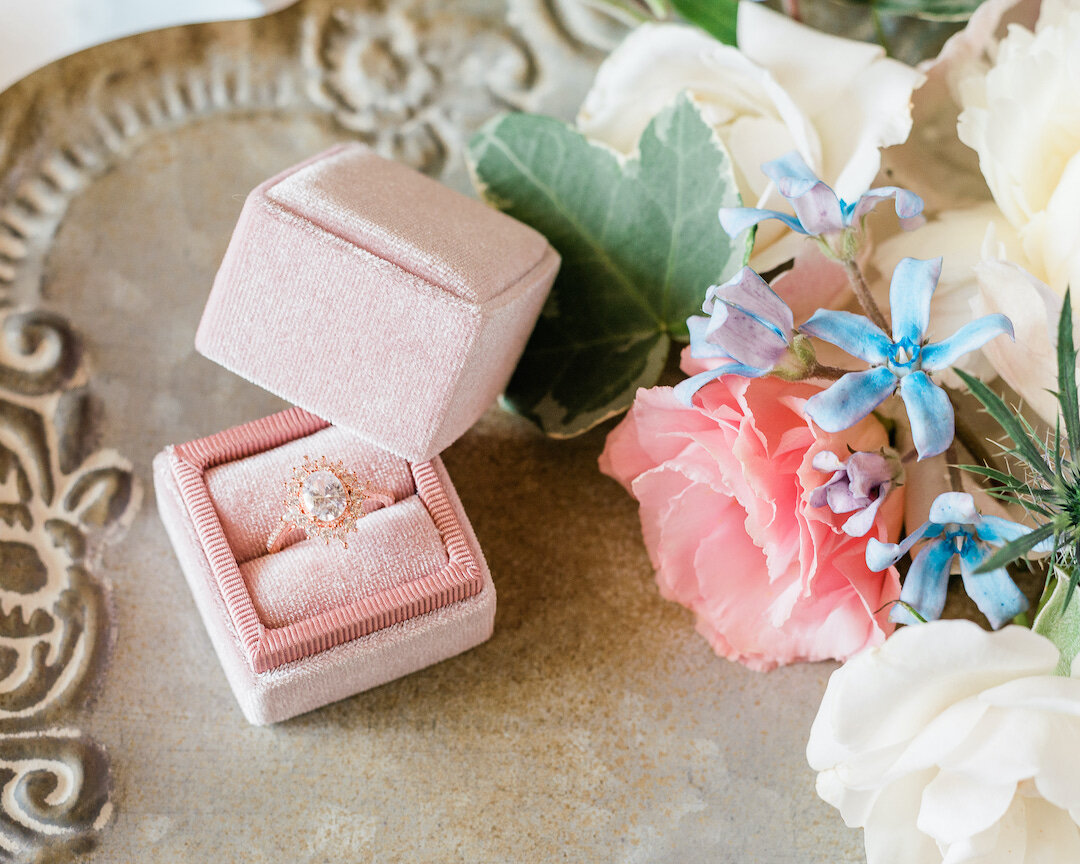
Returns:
(867, 264)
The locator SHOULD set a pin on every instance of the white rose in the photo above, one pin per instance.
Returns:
(1006, 212)
(1028, 364)
(950, 744)
(1022, 117)
(787, 87)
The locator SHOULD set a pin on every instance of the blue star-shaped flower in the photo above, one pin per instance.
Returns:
(955, 528)
(902, 361)
(818, 209)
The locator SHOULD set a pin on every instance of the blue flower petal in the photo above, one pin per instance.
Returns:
(909, 206)
(735, 220)
(994, 592)
(685, 390)
(816, 205)
(881, 555)
(750, 323)
(954, 507)
(997, 532)
(913, 284)
(857, 335)
(792, 176)
(819, 211)
(850, 399)
(930, 413)
(973, 335)
(926, 584)
(700, 346)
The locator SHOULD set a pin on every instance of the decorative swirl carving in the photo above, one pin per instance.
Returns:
(50, 500)
(58, 504)
(600, 26)
(412, 81)
(412, 88)
(38, 352)
(55, 792)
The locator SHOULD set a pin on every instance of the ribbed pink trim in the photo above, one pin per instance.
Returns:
(267, 648)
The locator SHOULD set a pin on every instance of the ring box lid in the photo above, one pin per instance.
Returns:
(377, 299)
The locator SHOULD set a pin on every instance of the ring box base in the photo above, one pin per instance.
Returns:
(290, 667)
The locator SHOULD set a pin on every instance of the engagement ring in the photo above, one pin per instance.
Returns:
(326, 500)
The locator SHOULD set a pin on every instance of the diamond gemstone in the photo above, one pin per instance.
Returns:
(323, 496)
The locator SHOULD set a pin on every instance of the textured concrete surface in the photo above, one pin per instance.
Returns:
(595, 726)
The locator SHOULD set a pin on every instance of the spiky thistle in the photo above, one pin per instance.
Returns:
(1050, 487)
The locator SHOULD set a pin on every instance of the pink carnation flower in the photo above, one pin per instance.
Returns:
(724, 488)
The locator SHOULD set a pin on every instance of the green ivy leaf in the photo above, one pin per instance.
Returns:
(716, 17)
(1059, 621)
(640, 242)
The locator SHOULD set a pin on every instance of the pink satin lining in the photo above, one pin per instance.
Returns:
(267, 648)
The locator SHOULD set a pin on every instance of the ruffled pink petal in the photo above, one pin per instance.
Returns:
(724, 490)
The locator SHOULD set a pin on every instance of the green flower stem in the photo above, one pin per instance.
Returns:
(801, 363)
(829, 373)
(879, 29)
(907, 606)
(862, 292)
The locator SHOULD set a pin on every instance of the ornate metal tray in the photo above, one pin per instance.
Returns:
(594, 726)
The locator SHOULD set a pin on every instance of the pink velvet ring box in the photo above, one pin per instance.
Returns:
(390, 310)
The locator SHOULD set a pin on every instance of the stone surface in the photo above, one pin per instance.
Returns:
(594, 726)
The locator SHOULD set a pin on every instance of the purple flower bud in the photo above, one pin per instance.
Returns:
(858, 485)
(747, 322)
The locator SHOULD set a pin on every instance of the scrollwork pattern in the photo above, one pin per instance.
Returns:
(58, 504)
(596, 25)
(54, 787)
(413, 87)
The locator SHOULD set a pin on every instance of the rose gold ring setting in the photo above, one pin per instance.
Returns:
(324, 499)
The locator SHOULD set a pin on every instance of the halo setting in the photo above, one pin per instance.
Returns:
(325, 500)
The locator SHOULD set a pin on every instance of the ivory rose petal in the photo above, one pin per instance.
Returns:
(933, 162)
(1029, 364)
(724, 488)
(950, 744)
(1022, 119)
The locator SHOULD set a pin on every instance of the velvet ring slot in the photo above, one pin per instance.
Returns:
(270, 646)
